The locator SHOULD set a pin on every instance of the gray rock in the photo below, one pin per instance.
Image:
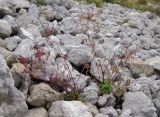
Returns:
(139, 104)
(125, 113)
(2, 43)
(22, 33)
(80, 55)
(17, 70)
(91, 93)
(4, 10)
(47, 12)
(20, 4)
(12, 42)
(5, 29)
(100, 69)
(106, 100)
(119, 51)
(69, 109)
(139, 67)
(37, 112)
(22, 11)
(154, 62)
(34, 30)
(110, 111)
(26, 19)
(70, 25)
(8, 56)
(101, 115)
(34, 10)
(68, 40)
(61, 71)
(42, 94)
(92, 108)
(60, 12)
(12, 101)
(24, 48)
(11, 21)
(25, 83)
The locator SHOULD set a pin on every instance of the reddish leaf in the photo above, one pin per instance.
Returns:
(39, 53)
(23, 60)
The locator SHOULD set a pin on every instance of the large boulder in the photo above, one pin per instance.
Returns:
(5, 29)
(69, 109)
(12, 101)
(139, 104)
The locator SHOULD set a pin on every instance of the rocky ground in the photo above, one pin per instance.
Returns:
(48, 51)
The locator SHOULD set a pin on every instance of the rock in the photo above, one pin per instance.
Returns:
(24, 48)
(18, 4)
(125, 113)
(139, 104)
(91, 93)
(2, 43)
(60, 12)
(100, 69)
(22, 33)
(25, 83)
(42, 94)
(22, 11)
(102, 100)
(47, 12)
(12, 101)
(37, 112)
(11, 21)
(9, 56)
(154, 62)
(157, 105)
(80, 80)
(99, 51)
(119, 51)
(110, 111)
(68, 40)
(80, 56)
(26, 19)
(69, 109)
(106, 100)
(17, 70)
(101, 115)
(93, 109)
(34, 30)
(4, 10)
(140, 67)
(5, 29)
(12, 42)
(70, 25)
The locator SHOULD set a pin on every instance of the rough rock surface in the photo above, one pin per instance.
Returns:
(139, 104)
(69, 109)
(66, 48)
(41, 95)
(5, 29)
